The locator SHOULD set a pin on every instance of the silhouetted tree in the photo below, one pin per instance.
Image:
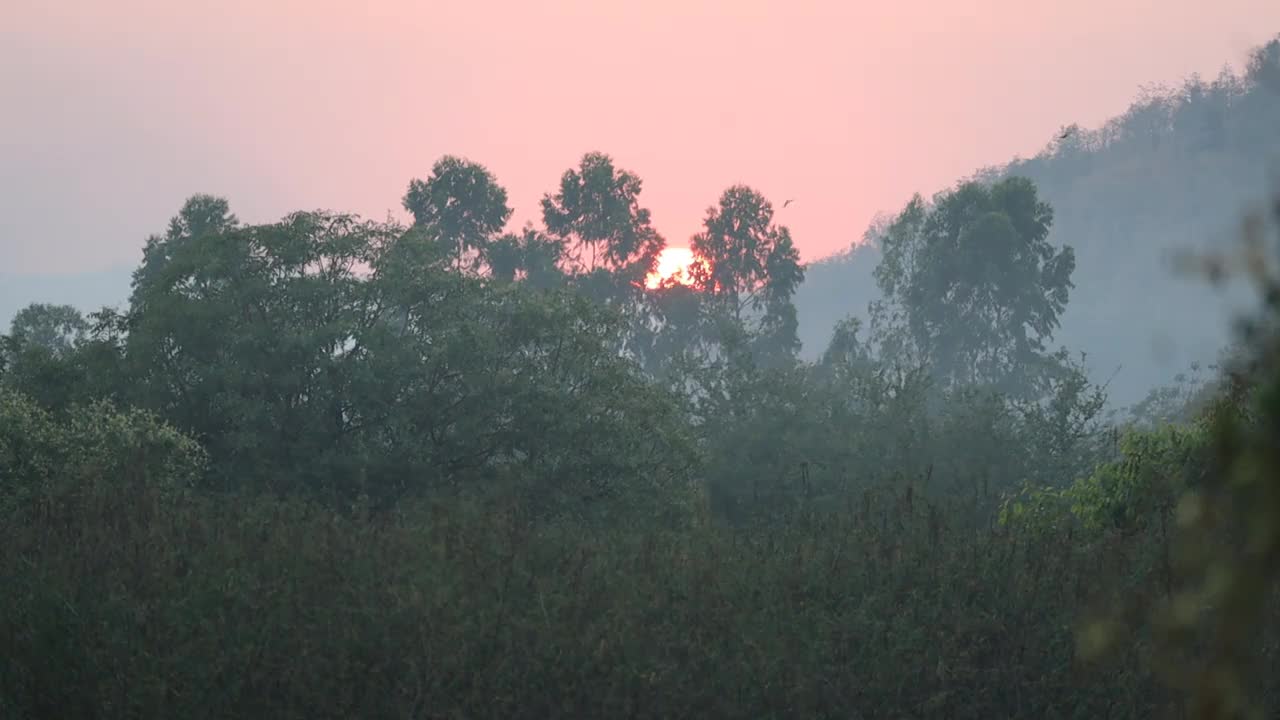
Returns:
(610, 243)
(752, 270)
(461, 207)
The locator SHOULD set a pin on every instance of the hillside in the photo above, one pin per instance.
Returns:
(1175, 171)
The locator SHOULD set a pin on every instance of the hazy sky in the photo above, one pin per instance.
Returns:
(112, 112)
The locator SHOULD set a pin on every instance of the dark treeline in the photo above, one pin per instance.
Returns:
(330, 467)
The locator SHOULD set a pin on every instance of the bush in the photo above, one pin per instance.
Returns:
(235, 607)
(95, 449)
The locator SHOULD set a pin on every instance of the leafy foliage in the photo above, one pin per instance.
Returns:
(530, 256)
(1228, 544)
(752, 270)
(95, 451)
(610, 242)
(55, 329)
(336, 356)
(461, 207)
(231, 607)
(972, 287)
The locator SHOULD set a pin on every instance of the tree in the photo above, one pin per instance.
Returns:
(678, 329)
(461, 207)
(845, 350)
(530, 256)
(335, 356)
(610, 243)
(93, 452)
(52, 356)
(1263, 69)
(200, 215)
(973, 289)
(243, 338)
(752, 269)
(56, 328)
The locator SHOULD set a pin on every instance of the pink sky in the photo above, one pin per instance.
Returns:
(114, 112)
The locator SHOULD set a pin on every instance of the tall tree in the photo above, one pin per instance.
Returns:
(973, 289)
(461, 207)
(1264, 66)
(244, 338)
(752, 269)
(610, 243)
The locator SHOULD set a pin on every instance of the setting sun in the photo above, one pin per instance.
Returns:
(674, 266)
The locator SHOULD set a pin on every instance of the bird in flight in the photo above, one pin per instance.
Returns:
(788, 202)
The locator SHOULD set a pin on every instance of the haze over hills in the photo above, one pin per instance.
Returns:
(1174, 172)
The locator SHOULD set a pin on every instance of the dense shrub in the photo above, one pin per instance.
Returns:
(224, 607)
(94, 450)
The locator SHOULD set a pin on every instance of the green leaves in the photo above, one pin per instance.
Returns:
(54, 356)
(93, 450)
(54, 328)
(337, 357)
(753, 269)
(751, 260)
(1139, 488)
(200, 216)
(461, 207)
(973, 286)
(597, 213)
(530, 256)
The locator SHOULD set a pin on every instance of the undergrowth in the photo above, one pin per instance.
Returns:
(254, 607)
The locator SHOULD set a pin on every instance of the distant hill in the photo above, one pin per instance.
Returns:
(1174, 172)
(834, 288)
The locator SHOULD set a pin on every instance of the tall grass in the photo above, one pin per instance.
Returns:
(119, 601)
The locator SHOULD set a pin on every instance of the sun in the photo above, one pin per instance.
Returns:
(675, 265)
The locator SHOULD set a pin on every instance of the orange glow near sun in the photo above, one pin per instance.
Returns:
(675, 264)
